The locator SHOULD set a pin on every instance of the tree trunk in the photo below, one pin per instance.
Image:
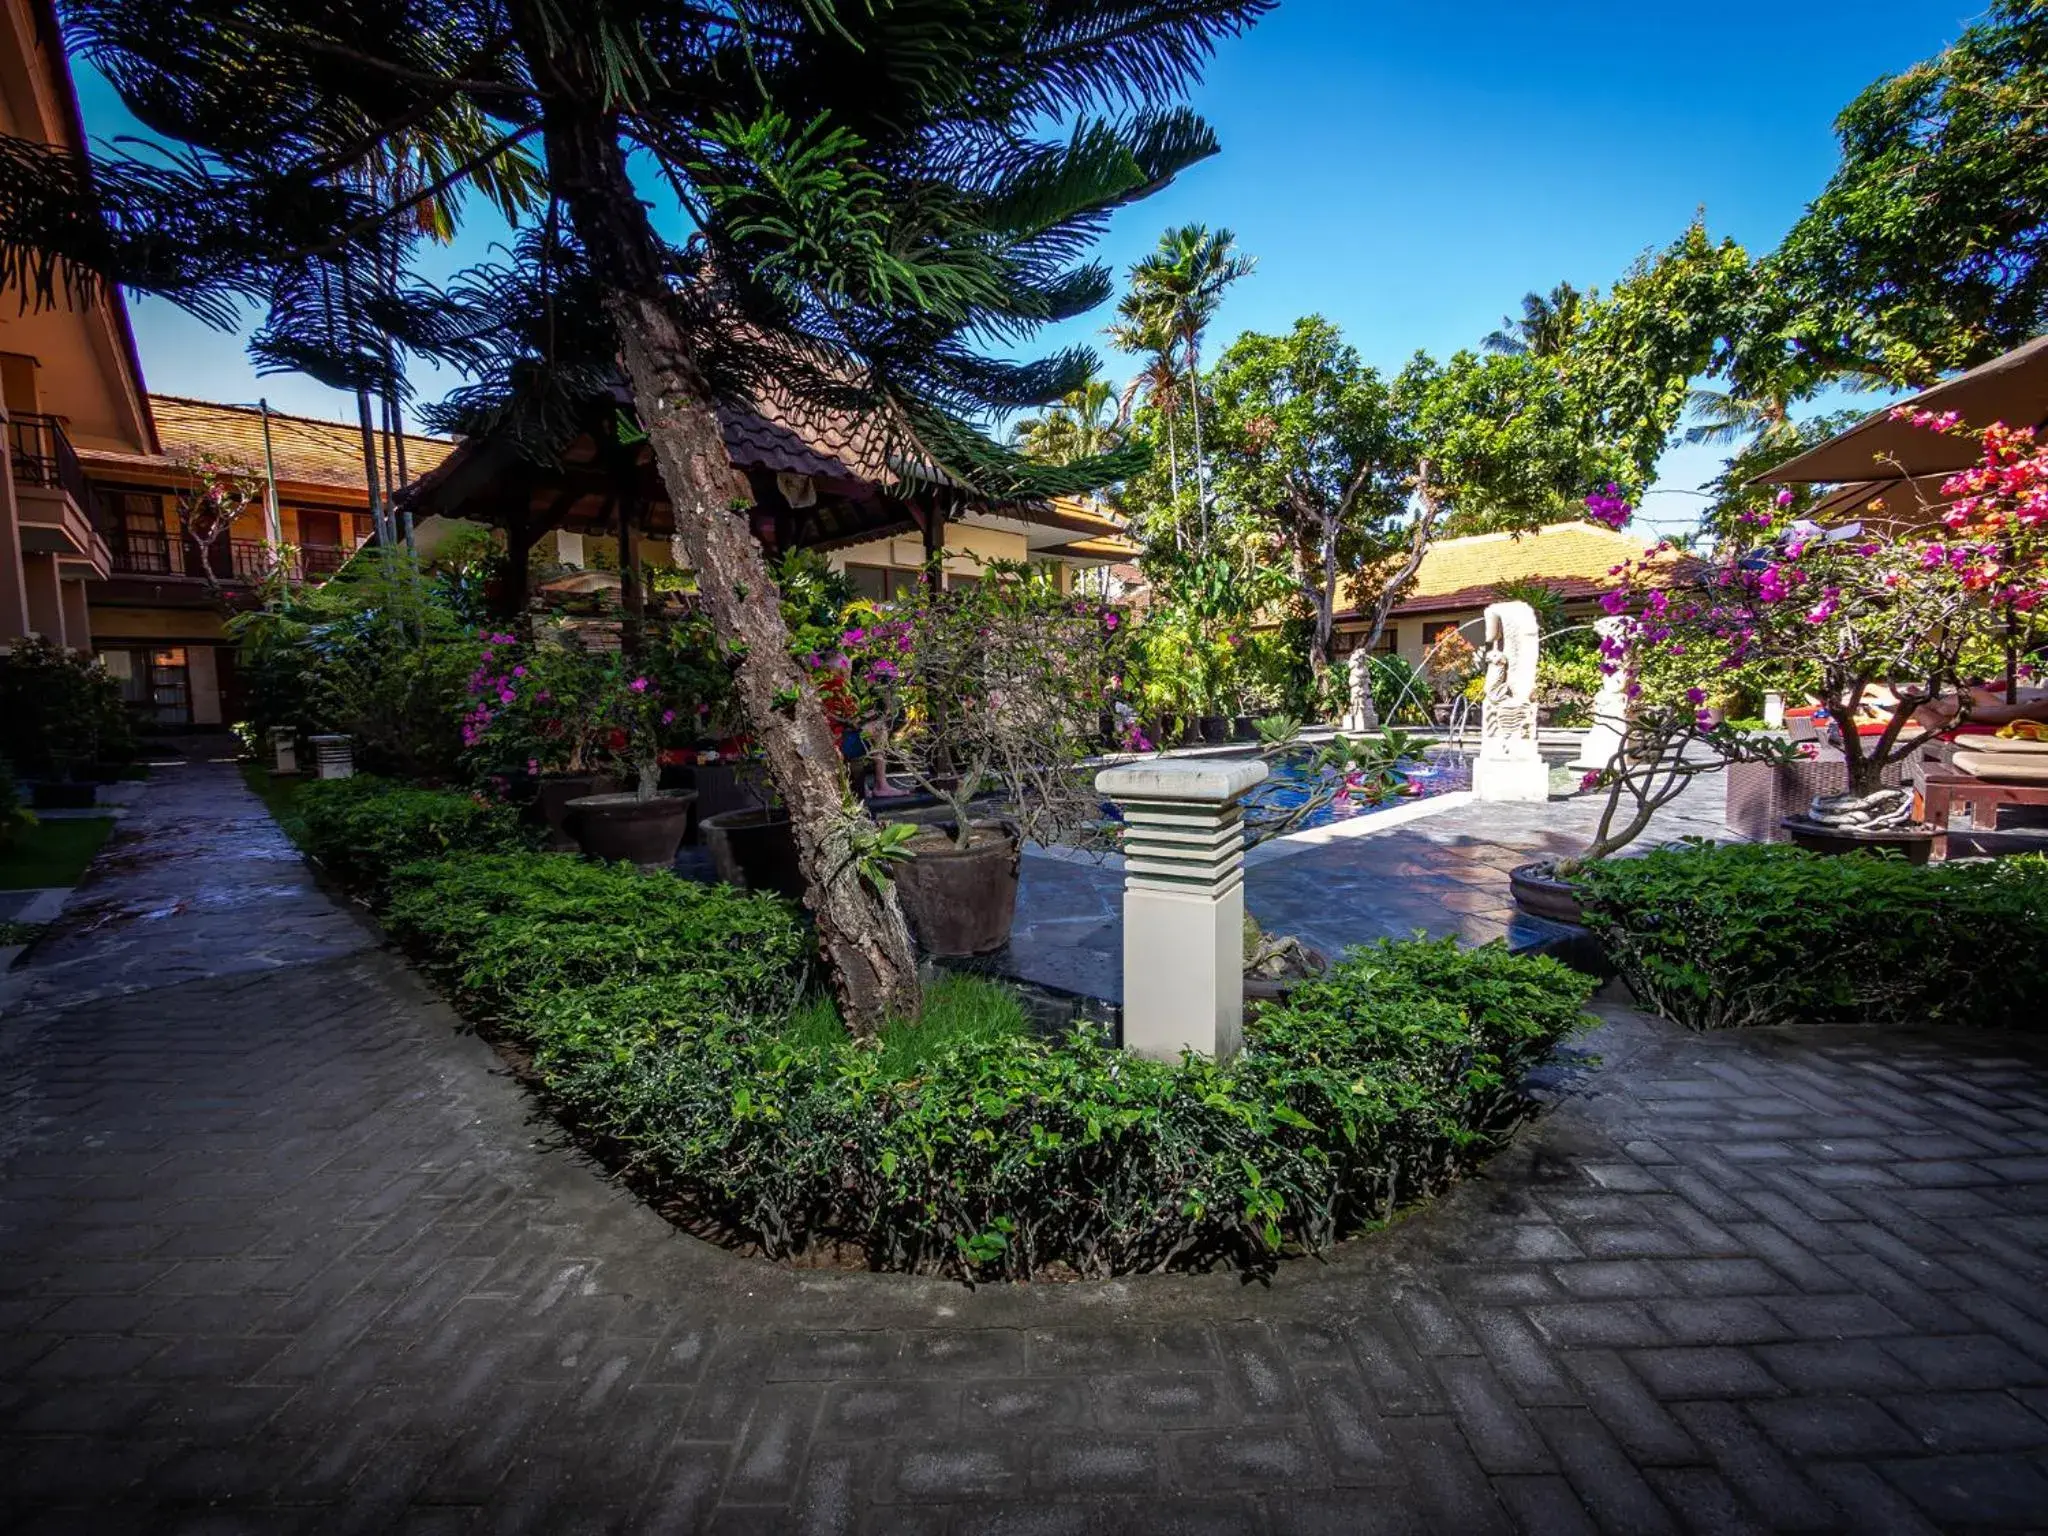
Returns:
(862, 933)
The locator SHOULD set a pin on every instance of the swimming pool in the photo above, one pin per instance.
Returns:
(1294, 779)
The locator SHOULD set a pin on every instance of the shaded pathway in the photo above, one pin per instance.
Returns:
(282, 1250)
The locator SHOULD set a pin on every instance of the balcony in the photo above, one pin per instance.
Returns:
(235, 562)
(59, 514)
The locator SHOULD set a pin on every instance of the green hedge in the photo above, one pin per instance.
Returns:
(362, 828)
(1753, 933)
(506, 931)
(656, 1015)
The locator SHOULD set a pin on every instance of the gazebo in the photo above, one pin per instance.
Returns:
(804, 475)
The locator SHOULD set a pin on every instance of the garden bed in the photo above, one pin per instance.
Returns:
(1747, 934)
(670, 1026)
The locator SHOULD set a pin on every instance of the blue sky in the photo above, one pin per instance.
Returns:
(1410, 171)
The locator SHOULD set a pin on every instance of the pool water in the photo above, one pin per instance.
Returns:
(1293, 780)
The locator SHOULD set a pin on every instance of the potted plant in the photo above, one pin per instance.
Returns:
(536, 719)
(1664, 748)
(1890, 621)
(643, 825)
(987, 699)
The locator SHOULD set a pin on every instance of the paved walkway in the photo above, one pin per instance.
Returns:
(282, 1250)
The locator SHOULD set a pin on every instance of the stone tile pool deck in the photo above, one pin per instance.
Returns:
(1438, 867)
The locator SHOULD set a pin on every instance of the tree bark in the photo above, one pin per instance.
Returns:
(861, 930)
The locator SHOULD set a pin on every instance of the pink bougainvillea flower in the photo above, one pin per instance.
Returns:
(639, 685)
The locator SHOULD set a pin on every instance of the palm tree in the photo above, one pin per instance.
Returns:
(1548, 323)
(1180, 286)
(1157, 378)
(1083, 422)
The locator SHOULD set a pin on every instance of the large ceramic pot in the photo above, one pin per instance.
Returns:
(1244, 728)
(960, 901)
(553, 793)
(643, 832)
(1538, 892)
(755, 849)
(1215, 729)
(1915, 844)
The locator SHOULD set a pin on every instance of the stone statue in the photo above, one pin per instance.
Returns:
(1610, 705)
(1360, 715)
(1509, 766)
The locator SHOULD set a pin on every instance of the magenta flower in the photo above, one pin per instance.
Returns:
(639, 685)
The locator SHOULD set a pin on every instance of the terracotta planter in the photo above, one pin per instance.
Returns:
(624, 826)
(1916, 844)
(1538, 892)
(553, 793)
(755, 849)
(960, 901)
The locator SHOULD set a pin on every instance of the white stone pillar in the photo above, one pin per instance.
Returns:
(336, 757)
(284, 749)
(1183, 902)
(1774, 711)
(1609, 730)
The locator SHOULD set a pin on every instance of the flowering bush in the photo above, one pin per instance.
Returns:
(994, 689)
(1888, 622)
(558, 706)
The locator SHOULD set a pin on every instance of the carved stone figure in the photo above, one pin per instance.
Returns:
(1610, 705)
(1509, 766)
(1360, 715)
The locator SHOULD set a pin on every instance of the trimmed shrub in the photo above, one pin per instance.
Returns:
(656, 1016)
(1757, 933)
(506, 931)
(60, 712)
(363, 828)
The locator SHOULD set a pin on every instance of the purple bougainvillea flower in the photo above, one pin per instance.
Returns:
(639, 685)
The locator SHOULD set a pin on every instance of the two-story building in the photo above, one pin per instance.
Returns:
(157, 620)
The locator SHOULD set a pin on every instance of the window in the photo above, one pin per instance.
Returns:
(156, 684)
(883, 583)
(869, 581)
(139, 533)
(170, 687)
(320, 528)
(962, 580)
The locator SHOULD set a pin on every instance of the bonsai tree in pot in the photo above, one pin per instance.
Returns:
(644, 825)
(987, 698)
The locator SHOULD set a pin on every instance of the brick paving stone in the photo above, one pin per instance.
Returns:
(282, 1248)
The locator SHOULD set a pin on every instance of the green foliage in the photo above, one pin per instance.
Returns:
(659, 1019)
(1928, 249)
(1401, 695)
(362, 828)
(15, 816)
(1002, 1154)
(958, 1010)
(383, 653)
(60, 712)
(522, 936)
(1769, 934)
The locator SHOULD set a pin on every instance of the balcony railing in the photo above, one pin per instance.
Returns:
(237, 561)
(43, 456)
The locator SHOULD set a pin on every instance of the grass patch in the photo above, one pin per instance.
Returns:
(52, 852)
(958, 1010)
(279, 796)
(12, 932)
